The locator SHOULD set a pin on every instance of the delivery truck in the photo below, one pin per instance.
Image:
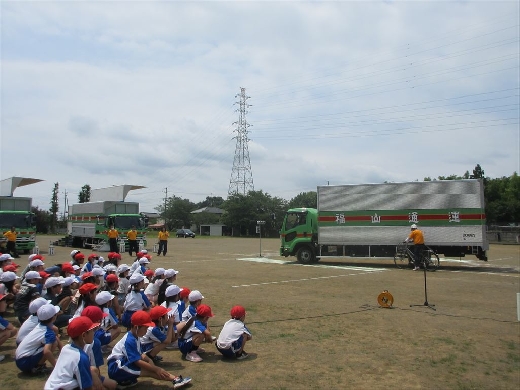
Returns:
(88, 223)
(369, 220)
(16, 212)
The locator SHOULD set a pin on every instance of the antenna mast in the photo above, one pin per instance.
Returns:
(241, 181)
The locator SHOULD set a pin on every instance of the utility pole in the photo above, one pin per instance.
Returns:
(65, 209)
(241, 176)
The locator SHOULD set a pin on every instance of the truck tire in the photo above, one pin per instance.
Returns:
(305, 255)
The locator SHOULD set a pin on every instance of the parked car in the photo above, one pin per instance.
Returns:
(185, 233)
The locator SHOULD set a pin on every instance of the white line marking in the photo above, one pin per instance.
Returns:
(297, 280)
(273, 261)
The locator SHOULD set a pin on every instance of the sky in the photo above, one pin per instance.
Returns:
(146, 93)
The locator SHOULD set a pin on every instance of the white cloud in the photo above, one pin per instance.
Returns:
(346, 92)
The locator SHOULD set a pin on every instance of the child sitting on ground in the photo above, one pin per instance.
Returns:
(135, 299)
(194, 333)
(73, 370)
(234, 335)
(126, 363)
(159, 336)
(7, 330)
(109, 324)
(39, 345)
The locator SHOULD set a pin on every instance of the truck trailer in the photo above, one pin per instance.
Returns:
(369, 220)
(88, 223)
(16, 211)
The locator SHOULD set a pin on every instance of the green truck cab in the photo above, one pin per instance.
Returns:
(299, 234)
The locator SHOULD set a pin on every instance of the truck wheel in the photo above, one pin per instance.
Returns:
(305, 255)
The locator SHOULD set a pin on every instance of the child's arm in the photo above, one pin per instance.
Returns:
(144, 365)
(207, 335)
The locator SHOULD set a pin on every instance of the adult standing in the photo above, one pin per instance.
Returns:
(163, 241)
(417, 237)
(132, 241)
(10, 235)
(113, 235)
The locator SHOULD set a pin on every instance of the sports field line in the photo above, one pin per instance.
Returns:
(299, 280)
(273, 261)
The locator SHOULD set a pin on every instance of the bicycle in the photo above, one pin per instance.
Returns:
(403, 258)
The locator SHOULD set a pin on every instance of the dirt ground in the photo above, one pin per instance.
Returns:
(320, 326)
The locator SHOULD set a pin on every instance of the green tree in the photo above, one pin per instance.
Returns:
(304, 199)
(243, 211)
(84, 194)
(211, 201)
(42, 219)
(177, 212)
(54, 208)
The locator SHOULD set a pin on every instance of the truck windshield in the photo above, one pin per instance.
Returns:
(295, 219)
(127, 221)
(7, 220)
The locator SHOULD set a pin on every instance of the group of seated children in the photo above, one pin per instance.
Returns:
(91, 302)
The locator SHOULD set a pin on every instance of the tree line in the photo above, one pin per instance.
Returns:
(241, 212)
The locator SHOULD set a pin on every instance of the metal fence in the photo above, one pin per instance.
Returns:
(503, 234)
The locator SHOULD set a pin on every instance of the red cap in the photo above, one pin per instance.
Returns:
(204, 311)
(38, 257)
(80, 325)
(86, 288)
(111, 278)
(93, 256)
(148, 272)
(86, 275)
(149, 257)
(10, 267)
(14, 264)
(185, 291)
(94, 313)
(158, 311)
(2, 296)
(141, 318)
(67, 267)
(139, 254)
(238, 312)
(79, 256)
(44, 274)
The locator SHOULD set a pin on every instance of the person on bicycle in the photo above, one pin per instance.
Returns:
(417, 237)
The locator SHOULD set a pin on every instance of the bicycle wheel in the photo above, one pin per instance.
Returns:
(401, 259)
(431, 260)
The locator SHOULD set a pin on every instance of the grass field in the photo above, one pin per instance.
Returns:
(320, 326)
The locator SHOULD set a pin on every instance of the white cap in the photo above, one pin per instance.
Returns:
(122, 268)
(32, 275)
(46, 312)
(98, 271)
(172, 290)
(74, 252)
(144, 260)
(170, 272)
(36, 304)
(8, 276)
(103, 297)
(195, 295)
(144, 251)
(101, 259)
(136, 278)
(110, 267)
(36, 263)
(69, 280)
(76, 267)
(6, 256)
(31, 257)
(414, 226)
(159, 271)
(53, 281)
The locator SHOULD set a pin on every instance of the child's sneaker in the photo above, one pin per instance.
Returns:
(200, 350)
(40, 370)
(2, 357)
(156, 359)
(242, 356)
(193, 357)
(180, 381)
(127, 384)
